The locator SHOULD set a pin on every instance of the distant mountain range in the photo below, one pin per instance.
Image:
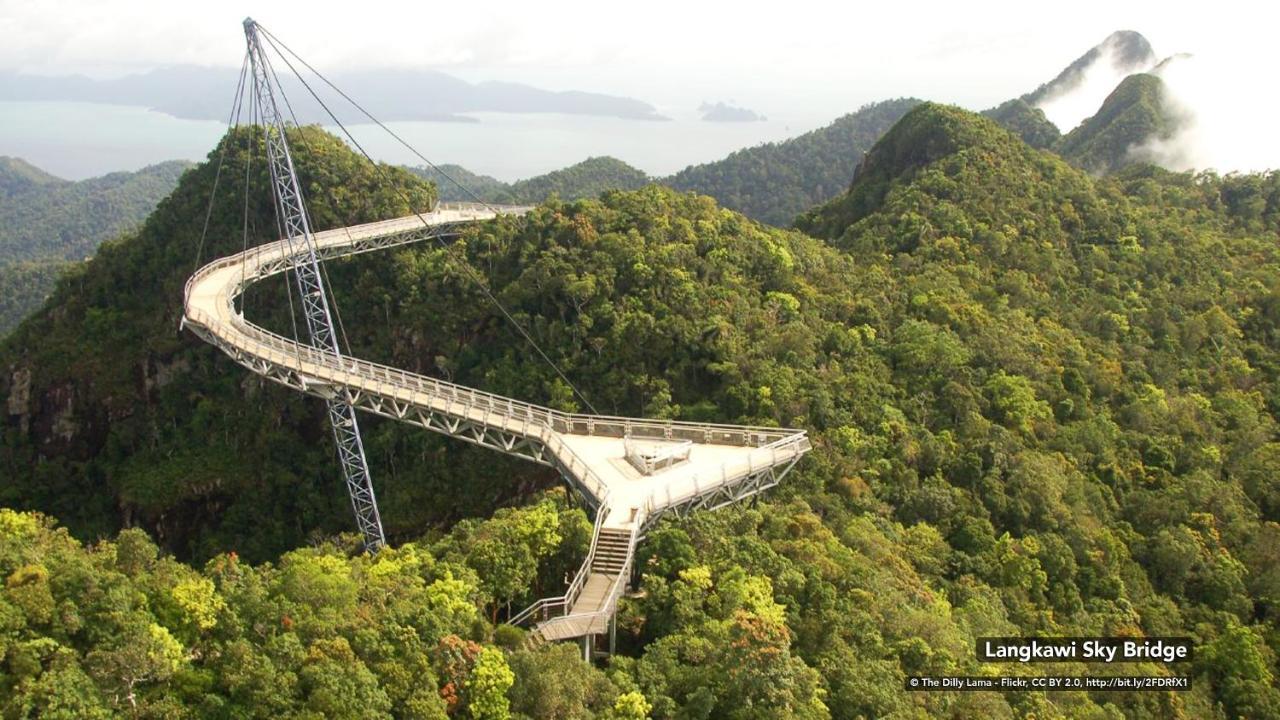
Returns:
(776, 182)
(47, 224)
(202, 93)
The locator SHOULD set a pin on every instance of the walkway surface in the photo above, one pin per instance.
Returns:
(703, 464)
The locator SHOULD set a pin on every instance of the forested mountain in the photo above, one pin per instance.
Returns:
(1027, 121)
(586, 179)
(1125, 50)
(52, 218)
(775, 182)
(46, 223)
(451, 180)
(17, 176)
(106, 425)
(1135, 114)
(1042, 403)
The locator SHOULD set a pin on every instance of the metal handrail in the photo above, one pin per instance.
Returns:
(574, 589)
(657, 456)
(742, 470)
(619, 583)
(610, 426)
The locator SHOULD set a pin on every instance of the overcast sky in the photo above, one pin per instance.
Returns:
(663, 51)
(796, 58)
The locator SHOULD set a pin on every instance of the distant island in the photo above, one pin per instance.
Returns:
(724, 112)
(203, 93)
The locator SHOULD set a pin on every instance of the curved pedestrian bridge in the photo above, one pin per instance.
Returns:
(630, 470)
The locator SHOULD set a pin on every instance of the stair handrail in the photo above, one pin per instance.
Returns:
(574, 589)
(619, 584)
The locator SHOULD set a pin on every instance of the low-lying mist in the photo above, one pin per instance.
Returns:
(1223, 119)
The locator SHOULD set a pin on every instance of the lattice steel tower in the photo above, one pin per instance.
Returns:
(296, 228)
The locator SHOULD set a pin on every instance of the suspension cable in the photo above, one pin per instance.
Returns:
(274, 40)
(248, 166)
(344, 342)
(277, 45)
(233, 122)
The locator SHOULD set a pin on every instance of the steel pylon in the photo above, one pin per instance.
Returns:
(296, 229)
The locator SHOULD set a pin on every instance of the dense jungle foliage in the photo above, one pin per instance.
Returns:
(586, 179)
(1042, 403)
(24, 286)
(775, 182)
(47, 224)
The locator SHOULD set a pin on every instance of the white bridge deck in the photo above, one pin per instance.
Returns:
(725, 462)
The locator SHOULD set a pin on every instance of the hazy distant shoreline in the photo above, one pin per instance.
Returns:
(204, 93)
(78, 140)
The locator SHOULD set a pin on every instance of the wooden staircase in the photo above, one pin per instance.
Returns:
(592, 608)
(611, 553)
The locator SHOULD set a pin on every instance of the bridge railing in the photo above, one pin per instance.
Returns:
(597, 621)
(481, 207)
(386, 382)
(522, 418)
(730, 473)
(568, 423)
(549, 607)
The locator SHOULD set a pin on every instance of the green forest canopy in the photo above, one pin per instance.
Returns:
(48, 224)
(1042, 403)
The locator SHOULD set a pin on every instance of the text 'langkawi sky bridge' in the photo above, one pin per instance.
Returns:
(629, 471)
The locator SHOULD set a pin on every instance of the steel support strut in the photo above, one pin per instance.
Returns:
(315, 302)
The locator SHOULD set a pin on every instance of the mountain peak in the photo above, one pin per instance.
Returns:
(18, 176)
(940, 163)
(1136, 112)
(924, 135)
(1126, 51)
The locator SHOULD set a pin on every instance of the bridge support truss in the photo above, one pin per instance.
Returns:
(295, 227)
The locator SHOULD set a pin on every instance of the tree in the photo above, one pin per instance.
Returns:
(487, 688)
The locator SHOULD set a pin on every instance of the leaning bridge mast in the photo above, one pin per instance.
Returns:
(296, 228)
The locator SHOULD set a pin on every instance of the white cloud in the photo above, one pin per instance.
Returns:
(803, 62)
(1070, 107)
(1227, 127)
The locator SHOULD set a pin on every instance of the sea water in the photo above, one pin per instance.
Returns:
(75, 140)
